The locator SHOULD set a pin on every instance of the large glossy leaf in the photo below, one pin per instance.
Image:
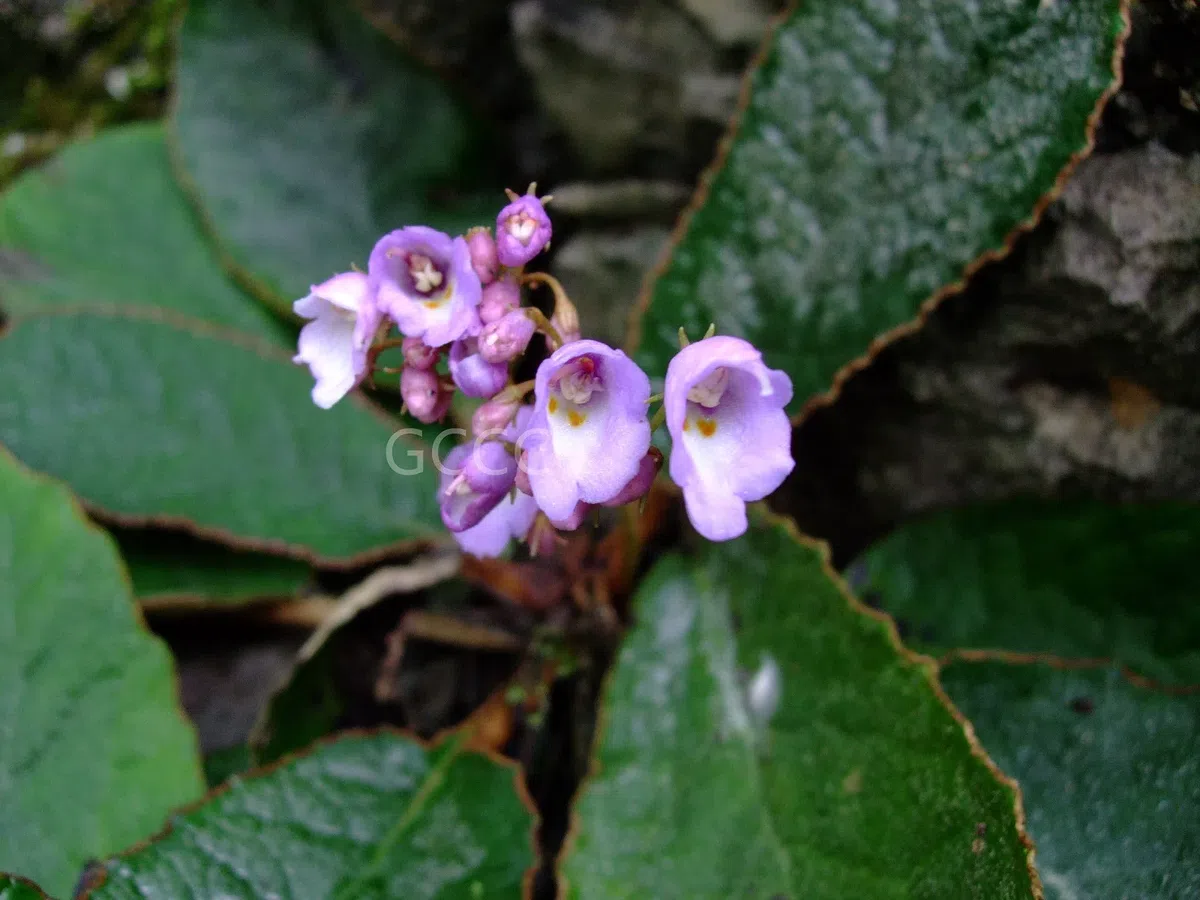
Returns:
(861, 784)
(94, 750)
(305, 140)
(883, 149)
(1110, 774)
(373, 816)
(1083, 579)
(154, 421)
(171, 569)
(104, 222)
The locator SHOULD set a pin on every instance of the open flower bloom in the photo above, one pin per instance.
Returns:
(333, 345)
(589, 431)
(512, 515)
(425, 282)
(731, 439)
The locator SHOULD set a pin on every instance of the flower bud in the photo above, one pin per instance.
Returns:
(494, 415)
(639, 485)
(474, 375)
(418, 354)
(499, 298)
(575, 519)
(522, 479)
(424, 394)
(490, 469)
(483, 254)
(522, 230)
(506, 338)
(566, 320)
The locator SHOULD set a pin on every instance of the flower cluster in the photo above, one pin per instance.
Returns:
(584, 440)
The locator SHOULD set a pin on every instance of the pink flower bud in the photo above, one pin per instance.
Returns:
(483, 254)
(418, 354)
(494, 415)
(499, 299)
(424, 394)
(506, 338)
(474, 375)
(639, 485)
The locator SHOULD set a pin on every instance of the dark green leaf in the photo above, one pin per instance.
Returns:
(148, 420)
(105, 223)
(1082, 579)
(862, 783)
(306, 140)
(363, 817)
(885, 147)
(169, 568)
(94, 749)
(19, 889)
(1110, 774)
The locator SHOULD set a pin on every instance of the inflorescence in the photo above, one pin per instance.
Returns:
(584, 440)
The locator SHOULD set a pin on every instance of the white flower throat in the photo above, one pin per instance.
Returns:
(425, 274)
(578, 384)
(522, 227)
(710, 390)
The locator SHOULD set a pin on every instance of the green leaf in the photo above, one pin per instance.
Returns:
(365, 816)
(169, 568)
(303, 154)
(1083, 579)
(105, 223)
(1109, 772)
(862, 783)
(155, 422)
(884, 148)
(94, 750)
(12, 888)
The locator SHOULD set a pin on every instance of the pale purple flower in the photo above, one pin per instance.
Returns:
(468, 489)
(731, 439)
(425, 283)
(483, 254)
(510, 517)
(522, 230)
(589, 430)
(424, 395)
(474, 375)
(331, 344)
(506, 338)
(499, 298)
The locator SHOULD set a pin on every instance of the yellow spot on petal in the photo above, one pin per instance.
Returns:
(707, 427)
(431, 304)
(687, 424)
(576, 419)
(552, 405)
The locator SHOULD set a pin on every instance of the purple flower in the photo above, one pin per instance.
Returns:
(474, 375)
(483, 254)
(639, 486)
(424, 394)
(506, 338)
(425, 282)
(472, 483)
(333, 345)
(589, 430)
(522, 230)
(511, 516)
(499, 298)
(731, 439)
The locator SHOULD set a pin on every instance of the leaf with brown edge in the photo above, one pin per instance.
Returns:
(16, 888)
(94, 749)
(857, 781)
(1078, 578)
(1109, 772)
(883, 152)
(365, 815)
(153, 419)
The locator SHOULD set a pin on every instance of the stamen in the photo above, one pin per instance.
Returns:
(708, 393)
(522, 227)
(425, 274)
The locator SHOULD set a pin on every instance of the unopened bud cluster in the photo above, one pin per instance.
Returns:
(544, 452)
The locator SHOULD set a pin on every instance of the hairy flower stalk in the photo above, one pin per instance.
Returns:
(533, 466)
